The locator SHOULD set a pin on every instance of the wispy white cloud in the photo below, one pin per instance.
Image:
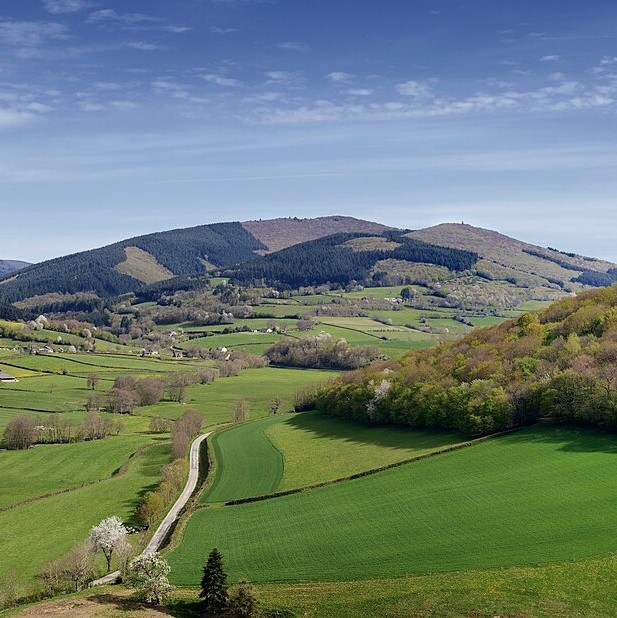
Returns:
(421, 101)
(143, 46)
(294, 46)
(412, 88)
(60, 7)
(339, 76)
(551, 58)
(111, 16)
(283, 78)
(360, 92)
(219, 30)
(221, 80)
(30, 33)
(12, 119)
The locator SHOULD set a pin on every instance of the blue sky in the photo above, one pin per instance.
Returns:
(119, 118)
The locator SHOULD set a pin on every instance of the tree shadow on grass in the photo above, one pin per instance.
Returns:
(129, 604)
(349, 431)
(566, 438)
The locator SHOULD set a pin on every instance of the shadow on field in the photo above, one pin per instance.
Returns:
(129, 604)
(568, 439)
(392, 436)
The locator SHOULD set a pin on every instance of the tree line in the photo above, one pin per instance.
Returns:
(559, 364)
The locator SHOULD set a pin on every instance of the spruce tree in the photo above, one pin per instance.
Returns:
(214, 584)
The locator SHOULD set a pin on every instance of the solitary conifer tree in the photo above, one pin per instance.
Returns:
(214, 584)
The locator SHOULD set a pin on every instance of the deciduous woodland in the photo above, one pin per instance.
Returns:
(559, 364)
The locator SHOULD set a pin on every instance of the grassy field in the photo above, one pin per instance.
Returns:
(294, 450)
(43, 530)
(568, 590)
(247, 463)
(318, 448)
(50, 467)
(536, 496)
(258, 386)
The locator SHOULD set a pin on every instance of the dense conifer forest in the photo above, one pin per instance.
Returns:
(182, 251)
(327, 260)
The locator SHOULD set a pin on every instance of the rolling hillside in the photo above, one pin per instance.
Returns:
(130, 264)
(483, 269)
(281, 233)
(10, 266)
(505, 258)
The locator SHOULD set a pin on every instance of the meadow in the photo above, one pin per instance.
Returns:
(42, 530)
(536, 496)
(294, 450)
(51, 467)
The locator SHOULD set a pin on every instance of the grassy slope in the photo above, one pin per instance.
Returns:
(317, 448)
(567, 590)
(301, 449)
(50, 467)
(248, 464)
(570, 590)
(258, 386)
(536, 496)
(46, 529)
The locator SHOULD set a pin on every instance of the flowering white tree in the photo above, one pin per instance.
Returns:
(149, 574)
(108, 536)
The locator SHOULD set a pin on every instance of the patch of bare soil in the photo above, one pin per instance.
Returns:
(116, 604)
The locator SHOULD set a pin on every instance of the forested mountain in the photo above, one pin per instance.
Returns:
(127, 265)
(470, 268)
(342, 258)
(506, 258)
(559, 364)
(10, 266)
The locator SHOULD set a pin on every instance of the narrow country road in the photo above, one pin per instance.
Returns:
(170, 518)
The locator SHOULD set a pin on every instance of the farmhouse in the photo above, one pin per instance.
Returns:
(5, 377)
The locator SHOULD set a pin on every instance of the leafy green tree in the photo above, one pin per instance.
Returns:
(214, 584)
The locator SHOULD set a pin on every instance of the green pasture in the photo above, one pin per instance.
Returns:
(319, 448)
(294, 450)
(247, 462)
(281, 311)
(314, 299)
(51, 467)
(233, 340)
(40, 531)
(45, 393)
(563, 590)
(385, 292)
(536, 496)
(361, 324)
(258, 386)
(252, 323)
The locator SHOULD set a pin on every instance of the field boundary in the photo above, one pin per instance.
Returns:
(117, 472)
(370, 472)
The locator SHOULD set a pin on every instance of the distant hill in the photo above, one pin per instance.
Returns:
(10, 266)
(128, 265)
(342, 258)
(483, 268)
(504, 258)
(279, 234)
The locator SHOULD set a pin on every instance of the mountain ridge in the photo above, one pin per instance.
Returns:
(127, 265)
